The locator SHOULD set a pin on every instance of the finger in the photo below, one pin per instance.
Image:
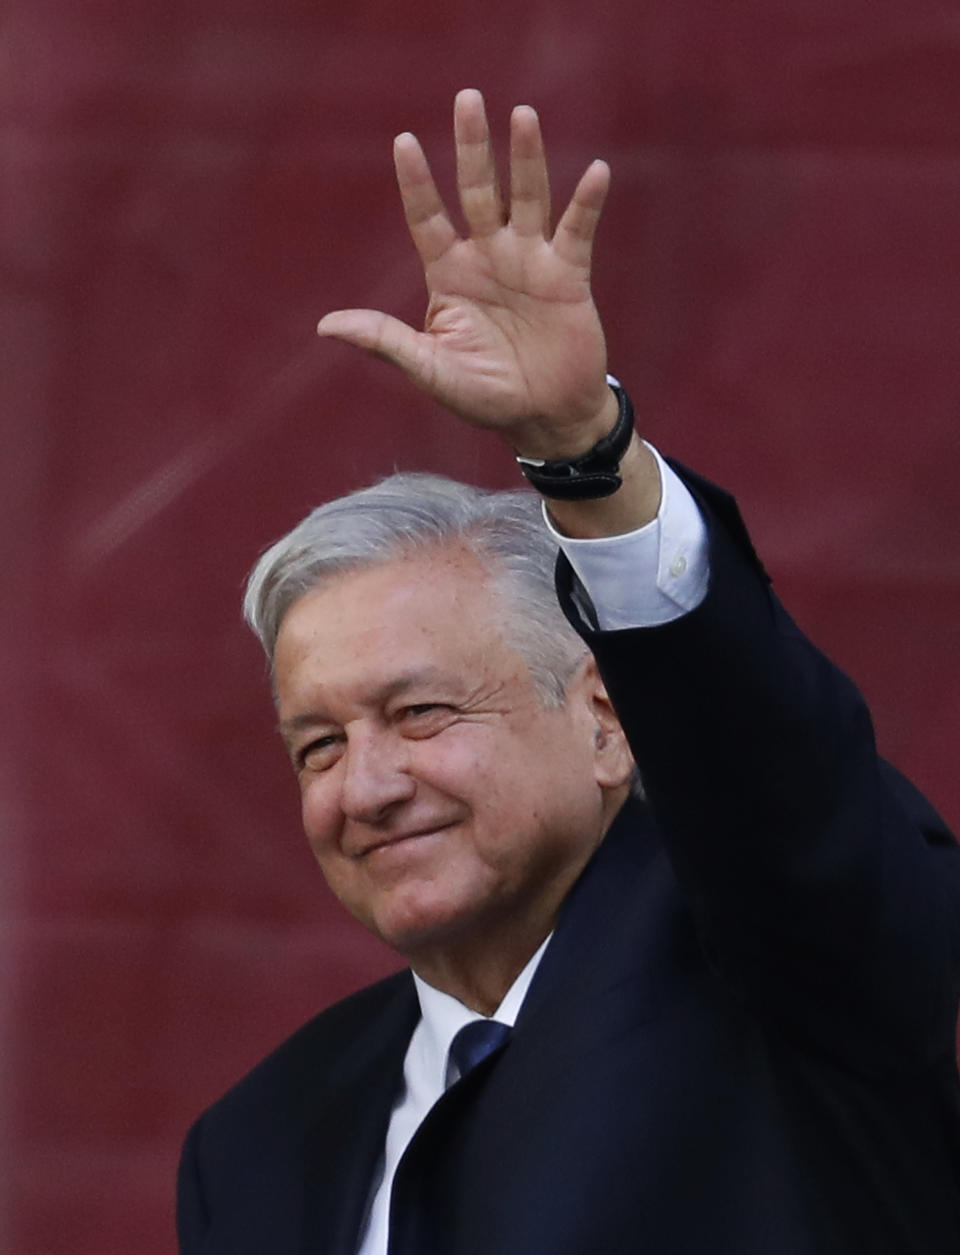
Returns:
(380, 334)
(573, 238)
(529, 177)
(429, 223)
(476, 171)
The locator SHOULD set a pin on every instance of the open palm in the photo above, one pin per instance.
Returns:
(512, 340)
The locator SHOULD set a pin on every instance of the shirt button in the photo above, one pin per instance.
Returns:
(678, 565)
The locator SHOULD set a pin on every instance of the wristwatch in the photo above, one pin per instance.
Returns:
(594, 473)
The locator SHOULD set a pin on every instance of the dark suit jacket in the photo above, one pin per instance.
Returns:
(739, 1042)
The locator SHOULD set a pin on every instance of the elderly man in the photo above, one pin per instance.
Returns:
(715, 1017)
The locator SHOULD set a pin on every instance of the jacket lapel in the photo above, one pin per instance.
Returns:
(614, 962)
(346, 1136)
(617, 922)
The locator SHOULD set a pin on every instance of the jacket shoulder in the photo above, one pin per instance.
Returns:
(320, 1054)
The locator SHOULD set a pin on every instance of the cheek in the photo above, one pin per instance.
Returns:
(488, 776)
(450, 764)
(319, 814)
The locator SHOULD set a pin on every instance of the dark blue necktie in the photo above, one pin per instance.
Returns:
(475, 1041)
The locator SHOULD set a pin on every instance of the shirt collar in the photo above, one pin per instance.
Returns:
(444, 1015)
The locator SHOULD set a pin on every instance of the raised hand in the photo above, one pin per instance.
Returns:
(512, 340)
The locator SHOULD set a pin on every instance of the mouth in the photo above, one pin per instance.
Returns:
(398, 839)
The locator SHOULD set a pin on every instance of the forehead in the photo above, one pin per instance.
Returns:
(425, 586)
(437, 609)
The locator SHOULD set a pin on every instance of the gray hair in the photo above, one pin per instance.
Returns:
(412, 513)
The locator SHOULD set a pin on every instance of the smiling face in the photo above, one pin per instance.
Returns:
(441, 799)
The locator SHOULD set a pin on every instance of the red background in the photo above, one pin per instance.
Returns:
(185, 189)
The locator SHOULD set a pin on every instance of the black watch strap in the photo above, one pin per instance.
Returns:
(593, 474)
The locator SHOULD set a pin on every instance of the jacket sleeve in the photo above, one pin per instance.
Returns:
(825, 888)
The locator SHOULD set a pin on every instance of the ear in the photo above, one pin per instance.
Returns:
(613, 763)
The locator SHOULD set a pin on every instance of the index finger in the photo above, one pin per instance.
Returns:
(429, 223)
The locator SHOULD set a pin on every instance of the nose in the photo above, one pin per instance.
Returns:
(375, 779)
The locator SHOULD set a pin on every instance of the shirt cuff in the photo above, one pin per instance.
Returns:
(653, 575)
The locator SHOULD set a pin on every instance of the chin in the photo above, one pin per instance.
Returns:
(413, 926)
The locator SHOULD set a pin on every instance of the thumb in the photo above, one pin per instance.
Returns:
(380, 334)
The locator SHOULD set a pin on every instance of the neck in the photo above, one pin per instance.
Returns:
(479, 980)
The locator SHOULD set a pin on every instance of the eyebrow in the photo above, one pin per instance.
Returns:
(393, 688)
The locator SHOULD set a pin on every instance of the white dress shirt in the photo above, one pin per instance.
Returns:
(641, 579)
(427, 1071)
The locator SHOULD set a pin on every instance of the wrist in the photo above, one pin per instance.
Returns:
(594, 472)
(548, 441)
(635, 503)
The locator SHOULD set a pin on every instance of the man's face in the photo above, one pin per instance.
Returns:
(439, 796)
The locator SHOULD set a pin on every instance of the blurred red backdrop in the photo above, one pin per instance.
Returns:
(185, 189)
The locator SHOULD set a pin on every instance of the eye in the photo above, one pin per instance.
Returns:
(423, 719)
(319, 754)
